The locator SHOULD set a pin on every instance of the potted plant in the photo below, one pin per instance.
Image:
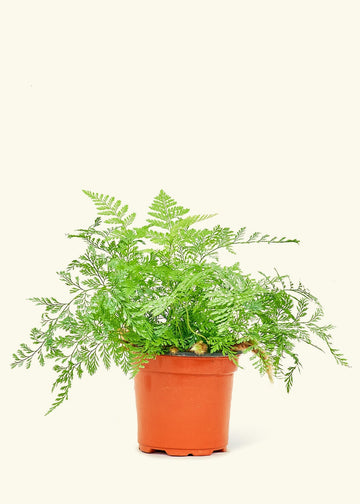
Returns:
(156, 301)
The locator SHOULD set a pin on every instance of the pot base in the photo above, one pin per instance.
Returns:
(181, 452)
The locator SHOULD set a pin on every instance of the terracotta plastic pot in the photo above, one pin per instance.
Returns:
(183, 404)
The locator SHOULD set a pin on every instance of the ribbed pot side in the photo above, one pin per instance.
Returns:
(183, 404)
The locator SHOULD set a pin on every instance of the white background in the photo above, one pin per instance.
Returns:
(248, 109)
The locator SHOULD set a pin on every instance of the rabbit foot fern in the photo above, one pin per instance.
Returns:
(264, 356)
(138, 292)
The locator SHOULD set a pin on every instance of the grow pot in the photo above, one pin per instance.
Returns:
(183, 403)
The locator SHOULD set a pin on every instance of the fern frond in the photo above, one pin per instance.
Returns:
(107, 205)
(51, 304)
(165, 209)
(190, 220)
(61, 397)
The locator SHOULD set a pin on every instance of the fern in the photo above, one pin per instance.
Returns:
(168, 214)
(138, 292)
(107, 205)
(165, 210)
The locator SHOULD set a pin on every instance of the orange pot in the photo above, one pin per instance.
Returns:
(183, 404)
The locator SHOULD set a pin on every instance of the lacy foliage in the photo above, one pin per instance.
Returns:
(138, 292)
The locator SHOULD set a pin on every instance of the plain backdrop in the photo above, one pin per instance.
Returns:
(248, 109)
